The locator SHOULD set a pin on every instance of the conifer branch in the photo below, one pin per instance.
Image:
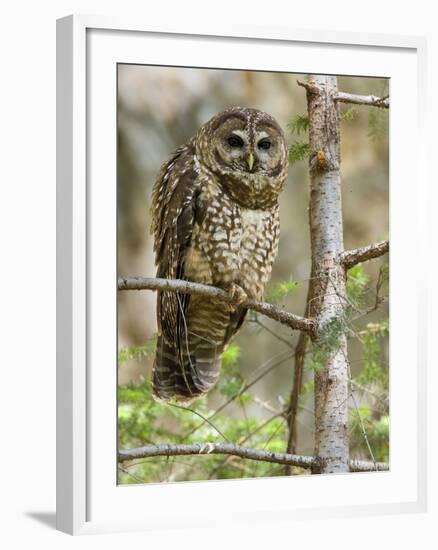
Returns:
(187, 287)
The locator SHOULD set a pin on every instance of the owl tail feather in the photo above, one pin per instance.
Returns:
(179, 375)
(190, 368)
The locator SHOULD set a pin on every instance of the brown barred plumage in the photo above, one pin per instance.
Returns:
(215, 219)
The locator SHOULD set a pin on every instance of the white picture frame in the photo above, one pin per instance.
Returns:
(88, 49)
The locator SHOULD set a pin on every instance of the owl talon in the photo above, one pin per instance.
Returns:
(237, 293)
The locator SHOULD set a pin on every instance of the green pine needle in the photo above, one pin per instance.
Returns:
(349, 114)
(298, 150)
(230, 356)
(280, 291)
(378, 124)
(300, 123)
(137, 353)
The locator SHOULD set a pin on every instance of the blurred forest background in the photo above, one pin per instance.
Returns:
(160, 108)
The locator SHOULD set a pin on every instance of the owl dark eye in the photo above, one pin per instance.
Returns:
(235, 141)
(264, 144)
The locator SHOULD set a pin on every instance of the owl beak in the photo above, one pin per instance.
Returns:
(250, 161)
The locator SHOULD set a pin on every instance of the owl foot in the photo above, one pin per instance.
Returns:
(237, 293)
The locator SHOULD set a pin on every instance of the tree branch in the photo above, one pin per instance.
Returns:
(343, 97)
(310, 86)
(368, 466)
(300, 461)
(350, 258)
(300, 356)
(372, 100)
(187, 287)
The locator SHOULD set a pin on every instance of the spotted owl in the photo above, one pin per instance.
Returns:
(215, 220)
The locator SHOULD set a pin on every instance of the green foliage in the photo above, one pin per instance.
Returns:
(327, 343)
(357, 281)
(300, 123)
(384, 274)
(373, 372)
(142, 420)
(279, 291)
(298, 150)
(369, 409)
(137, 353)
(378, 124)
(230, 356)
(230, 385)
(349, 114)
(370, 420)
(231, 380)
(369, 413)
(363, 420)
(308, 387)
(378, 119)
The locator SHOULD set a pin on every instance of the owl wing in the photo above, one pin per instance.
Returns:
(173, 217)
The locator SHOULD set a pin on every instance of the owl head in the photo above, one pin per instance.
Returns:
(246, 150)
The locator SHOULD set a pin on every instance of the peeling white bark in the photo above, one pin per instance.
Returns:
(327, 306)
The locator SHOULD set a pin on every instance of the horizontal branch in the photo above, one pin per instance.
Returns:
(187, 287)
(372, 100)
(350, 258)
(368, 466)
(300, 461)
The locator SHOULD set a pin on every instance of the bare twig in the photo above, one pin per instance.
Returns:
(134, 477)
(350, 258)
(282, 357)
(371, 100)
(362, 428)
(204, 418)
(300, 357)
(300, 354)
(383, 399)
(267, 406)
(243, 440)
(187, 287)
(257, 321)
(300, 461)
(378, 301)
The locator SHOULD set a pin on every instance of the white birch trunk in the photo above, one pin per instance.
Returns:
(328, 300)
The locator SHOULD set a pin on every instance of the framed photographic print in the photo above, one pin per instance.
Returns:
(231, 325)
